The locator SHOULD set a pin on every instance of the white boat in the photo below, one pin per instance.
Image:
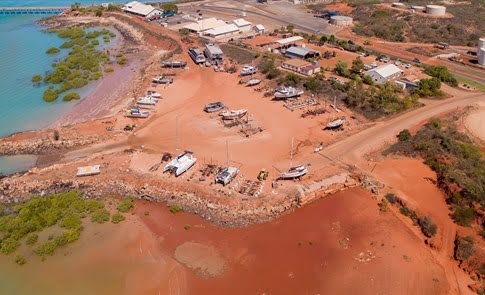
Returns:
(214, 107)
(147, 100)
(227, 175)
(336, 123)
(233, 114)
(182, 163)
(162, 80)
(135, 112)
(287, 92)
(88, 170)
(294, 172)
(174, 64)
(248, 70)
(154, 94)
(253, 82)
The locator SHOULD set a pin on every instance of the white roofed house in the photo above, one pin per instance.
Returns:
(384, 73)
(242, 24)
(141, 9)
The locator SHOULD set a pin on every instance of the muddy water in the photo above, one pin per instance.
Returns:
(338, 245)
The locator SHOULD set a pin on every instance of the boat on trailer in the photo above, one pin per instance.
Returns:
(253, 82)
(147, 100)
(335, 124)
(162, 80)
(294, 172)
(248, 70)
(174, 64)
(214, 107)
(135, 112)
(154, 94)
(287, 92)
(181, 163)
(233, 114)
(227, 175)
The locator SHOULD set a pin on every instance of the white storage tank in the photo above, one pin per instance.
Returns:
(435, 9)
(481, 43)
(341, 20)
(481, 56)
(418, 8)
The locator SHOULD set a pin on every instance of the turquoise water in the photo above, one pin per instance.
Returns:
(22, 55)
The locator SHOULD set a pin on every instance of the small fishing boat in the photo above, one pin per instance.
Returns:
(214, 107)
(135, 112)
(147, 100)
(227, 175)
(153, 94)
(287, 92)
(182, 163)
(162, 80)
(248, 70)
(88, 170)
(233, 114)
(294, 172)
(253, 82)
(174, 64)
(335, 124)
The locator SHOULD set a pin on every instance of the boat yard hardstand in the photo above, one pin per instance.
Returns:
(217, 123)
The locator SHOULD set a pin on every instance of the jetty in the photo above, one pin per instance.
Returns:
(31, 10)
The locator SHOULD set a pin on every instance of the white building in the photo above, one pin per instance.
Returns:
(222, 31)
(214, 53)
(384, 73)
(259, 29)
(204, 25)
(242, 24)
(141, 9)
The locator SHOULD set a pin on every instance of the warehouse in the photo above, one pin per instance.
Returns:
(141, 9)
(242, 24)
(259, 29)
(222, 31)
(384, 73)
(300, 66)
(204, 25)
(301, 52)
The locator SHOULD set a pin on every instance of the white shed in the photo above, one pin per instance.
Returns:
(384, 73)
(223, 31)
(259, 29)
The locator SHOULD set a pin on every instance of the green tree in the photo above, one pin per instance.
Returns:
(53, 50)
(117, 218)
(341, 69)
(290, 28)
(170, 7)
(357, 65)
(36, 79)
(404, 135)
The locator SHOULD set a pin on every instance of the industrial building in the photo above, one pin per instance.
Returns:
(213, 53)
(242, 24)
(259, 29)
(301, 52)
(341, 20)
(141, 9)
(435, 9)
(288, 42)
(203, 25)
(222, 31)
(300, 66)
(384, 73)
(481, 51)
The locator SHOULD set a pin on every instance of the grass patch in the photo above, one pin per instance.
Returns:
(470, 82)
(241, 55)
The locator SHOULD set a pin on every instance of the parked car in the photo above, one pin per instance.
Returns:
(416, 60)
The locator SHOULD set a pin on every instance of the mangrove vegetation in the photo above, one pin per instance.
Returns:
(84, 62)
